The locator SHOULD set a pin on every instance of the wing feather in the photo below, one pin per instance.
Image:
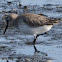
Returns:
(34, 19)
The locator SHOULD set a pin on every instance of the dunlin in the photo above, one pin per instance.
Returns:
(33, 24)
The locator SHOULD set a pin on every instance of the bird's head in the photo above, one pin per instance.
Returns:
(9, 19)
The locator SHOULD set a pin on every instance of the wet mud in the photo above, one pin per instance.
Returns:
(15, 47)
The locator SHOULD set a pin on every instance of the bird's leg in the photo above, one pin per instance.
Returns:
(35, 37)
(35, 46)
(36, 49)
(39, 51)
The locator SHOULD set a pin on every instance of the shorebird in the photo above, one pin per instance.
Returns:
(28, 23)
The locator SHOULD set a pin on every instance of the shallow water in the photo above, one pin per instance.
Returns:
(13, 45)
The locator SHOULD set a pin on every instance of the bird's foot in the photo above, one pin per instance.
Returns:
(42, 53)
(36, 51)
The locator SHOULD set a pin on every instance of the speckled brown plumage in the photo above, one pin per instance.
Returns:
(37, 20)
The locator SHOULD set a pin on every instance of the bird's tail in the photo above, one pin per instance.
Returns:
(55, 20)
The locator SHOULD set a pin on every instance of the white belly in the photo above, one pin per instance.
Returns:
(25, 29)
(42, 29)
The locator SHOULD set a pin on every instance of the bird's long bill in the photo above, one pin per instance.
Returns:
(6, 27)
